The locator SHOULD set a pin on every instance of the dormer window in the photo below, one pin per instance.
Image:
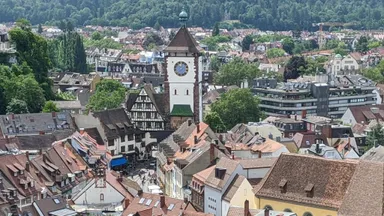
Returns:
(283, 186)
(309, 190)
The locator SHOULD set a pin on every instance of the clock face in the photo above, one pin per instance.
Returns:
(181, 68)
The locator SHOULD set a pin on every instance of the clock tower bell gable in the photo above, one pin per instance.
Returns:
(183, 72)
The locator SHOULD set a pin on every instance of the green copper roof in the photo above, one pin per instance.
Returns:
(183, 14)
(181, 110)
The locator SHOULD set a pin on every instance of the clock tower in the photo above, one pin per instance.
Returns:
(183, 75)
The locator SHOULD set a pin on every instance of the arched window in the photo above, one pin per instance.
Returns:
(101, 197)
(268, 207)
(307, 214)
(287, 210)
(175, 92)
(187, 92)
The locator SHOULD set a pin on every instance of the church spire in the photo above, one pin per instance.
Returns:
(183, 17)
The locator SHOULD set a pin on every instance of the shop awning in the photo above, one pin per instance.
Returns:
(118, 161)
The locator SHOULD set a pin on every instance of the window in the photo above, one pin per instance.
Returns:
(187, 92)
(268, 207)
(112, 152)
(175, 92)
(142, 144)
(307, 214)
(101, 197)
(143, 97)
(122, 148)
(122, 138)
(148, 115)
(111, 142)
(148, 124)
(130, 137)
(130, 148)
(287, 210)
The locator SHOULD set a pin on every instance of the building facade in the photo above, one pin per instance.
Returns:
(183, 75)
(326, 95)
(146, 109)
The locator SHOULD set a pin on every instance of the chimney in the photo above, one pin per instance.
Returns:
(198, 127)
(162, 201)
(233, 156)
(196, 140)
(266, 212)
(139, 192)
(212, 152)
(186, 200)
(27, 166)
(318, 150)
(126, 203)
(45, 157)
(40, 151)
(259, 153)
(7, 139)
(119, 177)
(27, 155)
(295, 117)
(246, 208)
(81, 130)
(12, 116)
(270, 136)
(54, 119)
(304, 114)
(189, 122)
(1, 184)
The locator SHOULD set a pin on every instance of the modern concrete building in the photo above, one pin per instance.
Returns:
(322, 95)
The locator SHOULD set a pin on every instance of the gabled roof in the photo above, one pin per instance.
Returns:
(365, 114)
(51, 204)
(327, 179)
(233, 187)
(374, 154)
(229, 165)
(365, 192)
(183, 42)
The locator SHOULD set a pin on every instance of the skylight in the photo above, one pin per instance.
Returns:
(148, 202)
(142, 200)
(170, 207)
(57, 201)
(157, 203)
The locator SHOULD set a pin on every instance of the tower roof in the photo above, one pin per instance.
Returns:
(183, 42)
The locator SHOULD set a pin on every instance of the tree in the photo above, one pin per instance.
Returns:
(295, 65)
(216, 30)
(23, 24)
(96, 36)
(50, 106)
(362, 44)
(376, 74)
(246, 42)
(171, 35)
(80, 58)
(215, 122)
(215, 63)
(157, 25)
(236, 106)
(235, 72)
(375, 136)
(17, 107)
(332, 44)
(288, 45)
(33, 49)
(373, 45)
(109, 94)
(39, 29)
(341, 49)
(152, 38)
(275, 52)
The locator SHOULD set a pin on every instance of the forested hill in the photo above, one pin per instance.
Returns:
(264, 14)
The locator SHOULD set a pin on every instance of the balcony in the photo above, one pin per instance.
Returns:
(281, 100)
(288, 108)
(339, 97)
(351, 104)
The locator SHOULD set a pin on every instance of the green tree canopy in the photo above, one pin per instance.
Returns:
(235, 106)
(17, 107)
(109, 94)
(288, 45)
(295, 65)
(341, 49)
(375, 136)
(235, 72)
(50, 106)
(362, 44)
(216, 30)
(96, 36)
(246, 42)
(275, 52)
(376, 73)
(215, 122)
(212, 42)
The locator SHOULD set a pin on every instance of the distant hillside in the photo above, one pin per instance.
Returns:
(264, 14)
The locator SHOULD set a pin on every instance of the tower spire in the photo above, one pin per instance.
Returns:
(183, 17)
